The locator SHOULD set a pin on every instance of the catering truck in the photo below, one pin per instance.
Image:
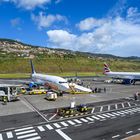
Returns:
(9, 92)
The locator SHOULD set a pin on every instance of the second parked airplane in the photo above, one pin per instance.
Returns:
(127, 77)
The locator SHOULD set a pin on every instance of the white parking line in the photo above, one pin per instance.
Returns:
(110, 114)
(116, 106)
(22, 129)
(100, 116)
(77, 121)
(101, 109)
(126, 112)
(41, 128)
(28, 135)
(120, 113)
(70, 122)
(52, 116)
(64, 124)
(106, 115)
(9, 135)
(116, 114)
(34, 138)
(33, 108)
(115, 136)
(1, 138)
(84, 120)
(92, 110)
(128, 132)
(25, 132)
(90, 119)
(128, 104)
(49, 127)
(95, 117)
(123, 105)
(108, 107)
(66, 137)
(56, 125)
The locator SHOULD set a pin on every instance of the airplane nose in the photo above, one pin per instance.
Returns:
(65, 86)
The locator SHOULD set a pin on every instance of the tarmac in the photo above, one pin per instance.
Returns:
(113, 91)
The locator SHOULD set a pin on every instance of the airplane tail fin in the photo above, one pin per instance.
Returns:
(106, 68)
(32, 67)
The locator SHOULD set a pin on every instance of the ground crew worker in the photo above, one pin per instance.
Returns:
(135, 96)
(5, 100)
(104, 89)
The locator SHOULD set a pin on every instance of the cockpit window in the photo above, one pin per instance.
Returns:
(62, 82)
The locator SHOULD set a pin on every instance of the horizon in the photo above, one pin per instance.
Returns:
(111, 27)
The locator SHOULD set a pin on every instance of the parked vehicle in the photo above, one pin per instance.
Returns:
(8, 92)
(37, 91)
(51, 96)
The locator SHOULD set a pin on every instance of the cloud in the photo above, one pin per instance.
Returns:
(89, 23)
(57, 1)
(44, 21)
(118, 36)
(118, 9)
(15, 22)
(28, 4)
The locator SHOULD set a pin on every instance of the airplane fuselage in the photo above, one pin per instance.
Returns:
(124, 75)
(57, 81)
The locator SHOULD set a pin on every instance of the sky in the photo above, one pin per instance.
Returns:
(96, 26)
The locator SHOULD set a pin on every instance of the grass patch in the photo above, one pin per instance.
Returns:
(15, 75)
(66, 74)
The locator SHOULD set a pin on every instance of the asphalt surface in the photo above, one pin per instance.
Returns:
(101, 126)
(114, 115)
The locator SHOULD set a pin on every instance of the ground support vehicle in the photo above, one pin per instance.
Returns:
(51, 96)
(37, 91)
(78, 110)
(83, 108)
(22, 90)
(67, 111)
(8, 92)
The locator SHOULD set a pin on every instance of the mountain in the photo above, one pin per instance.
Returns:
(18, 49)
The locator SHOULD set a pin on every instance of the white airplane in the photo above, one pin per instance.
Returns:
(57, 81)
(127, 77)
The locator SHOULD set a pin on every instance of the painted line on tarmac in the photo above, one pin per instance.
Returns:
(33, 109)
(108, 107)
(1, 138)
(116, 136)
(27, 105)
(128, 104)
(77, 125)
(61, 133)
(101, 109)
(9, 135)
(53, 116)
(122, 105)
(116, 106)
(129, 132)
(92, 110)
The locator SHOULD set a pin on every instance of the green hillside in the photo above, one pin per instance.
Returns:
(64, 66)
(15, 56)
